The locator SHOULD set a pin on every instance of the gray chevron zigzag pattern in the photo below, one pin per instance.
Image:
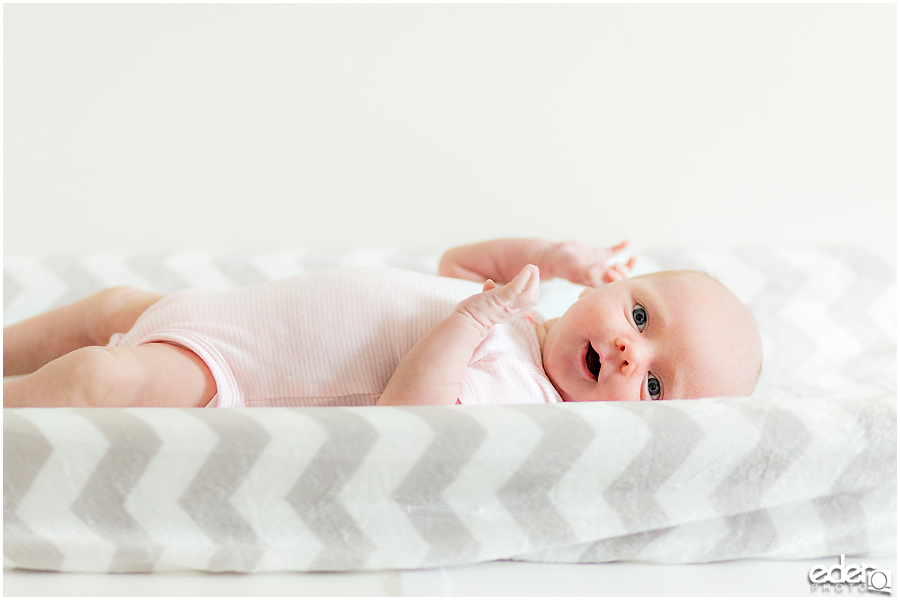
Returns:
(827, 315)
(644, 481)
(804, 468)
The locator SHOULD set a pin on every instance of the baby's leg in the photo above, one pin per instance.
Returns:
(149, 375)
(31, 344)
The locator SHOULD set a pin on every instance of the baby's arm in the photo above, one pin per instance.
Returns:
(500, 260)
(433, 369)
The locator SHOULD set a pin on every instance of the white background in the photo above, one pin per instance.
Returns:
(257, 127)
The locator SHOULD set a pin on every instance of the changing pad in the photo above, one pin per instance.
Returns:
(804, 468)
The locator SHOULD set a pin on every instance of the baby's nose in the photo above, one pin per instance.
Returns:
(631, 355)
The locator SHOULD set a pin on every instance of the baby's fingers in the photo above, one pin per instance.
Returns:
(618, 272)
(498, 304)
(523, 291)
(619, 247)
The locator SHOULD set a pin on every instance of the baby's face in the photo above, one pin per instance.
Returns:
(661, 336)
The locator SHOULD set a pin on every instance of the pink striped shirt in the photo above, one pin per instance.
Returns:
(335, 337)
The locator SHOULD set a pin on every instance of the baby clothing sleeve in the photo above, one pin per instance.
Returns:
(506, 368)
(503, 379)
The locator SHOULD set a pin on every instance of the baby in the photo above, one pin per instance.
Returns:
(345, 337)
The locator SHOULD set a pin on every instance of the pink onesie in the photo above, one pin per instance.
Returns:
(335, 337)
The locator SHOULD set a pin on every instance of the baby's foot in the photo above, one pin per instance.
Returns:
(496, 305)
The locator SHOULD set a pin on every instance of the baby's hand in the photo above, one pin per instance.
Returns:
(584, 264)
(496, 305)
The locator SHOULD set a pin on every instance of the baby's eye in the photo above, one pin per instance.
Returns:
(654, 388)
(640, 316)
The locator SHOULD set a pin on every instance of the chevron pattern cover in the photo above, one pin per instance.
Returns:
(805, 468)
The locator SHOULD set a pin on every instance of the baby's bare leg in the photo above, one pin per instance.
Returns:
(148, 375)
(31, 344)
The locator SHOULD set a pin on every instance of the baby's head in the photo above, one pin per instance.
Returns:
(668, 335)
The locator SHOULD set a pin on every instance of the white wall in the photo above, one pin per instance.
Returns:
(180, 127)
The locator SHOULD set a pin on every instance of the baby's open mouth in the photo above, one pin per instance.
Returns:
(592, 360)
